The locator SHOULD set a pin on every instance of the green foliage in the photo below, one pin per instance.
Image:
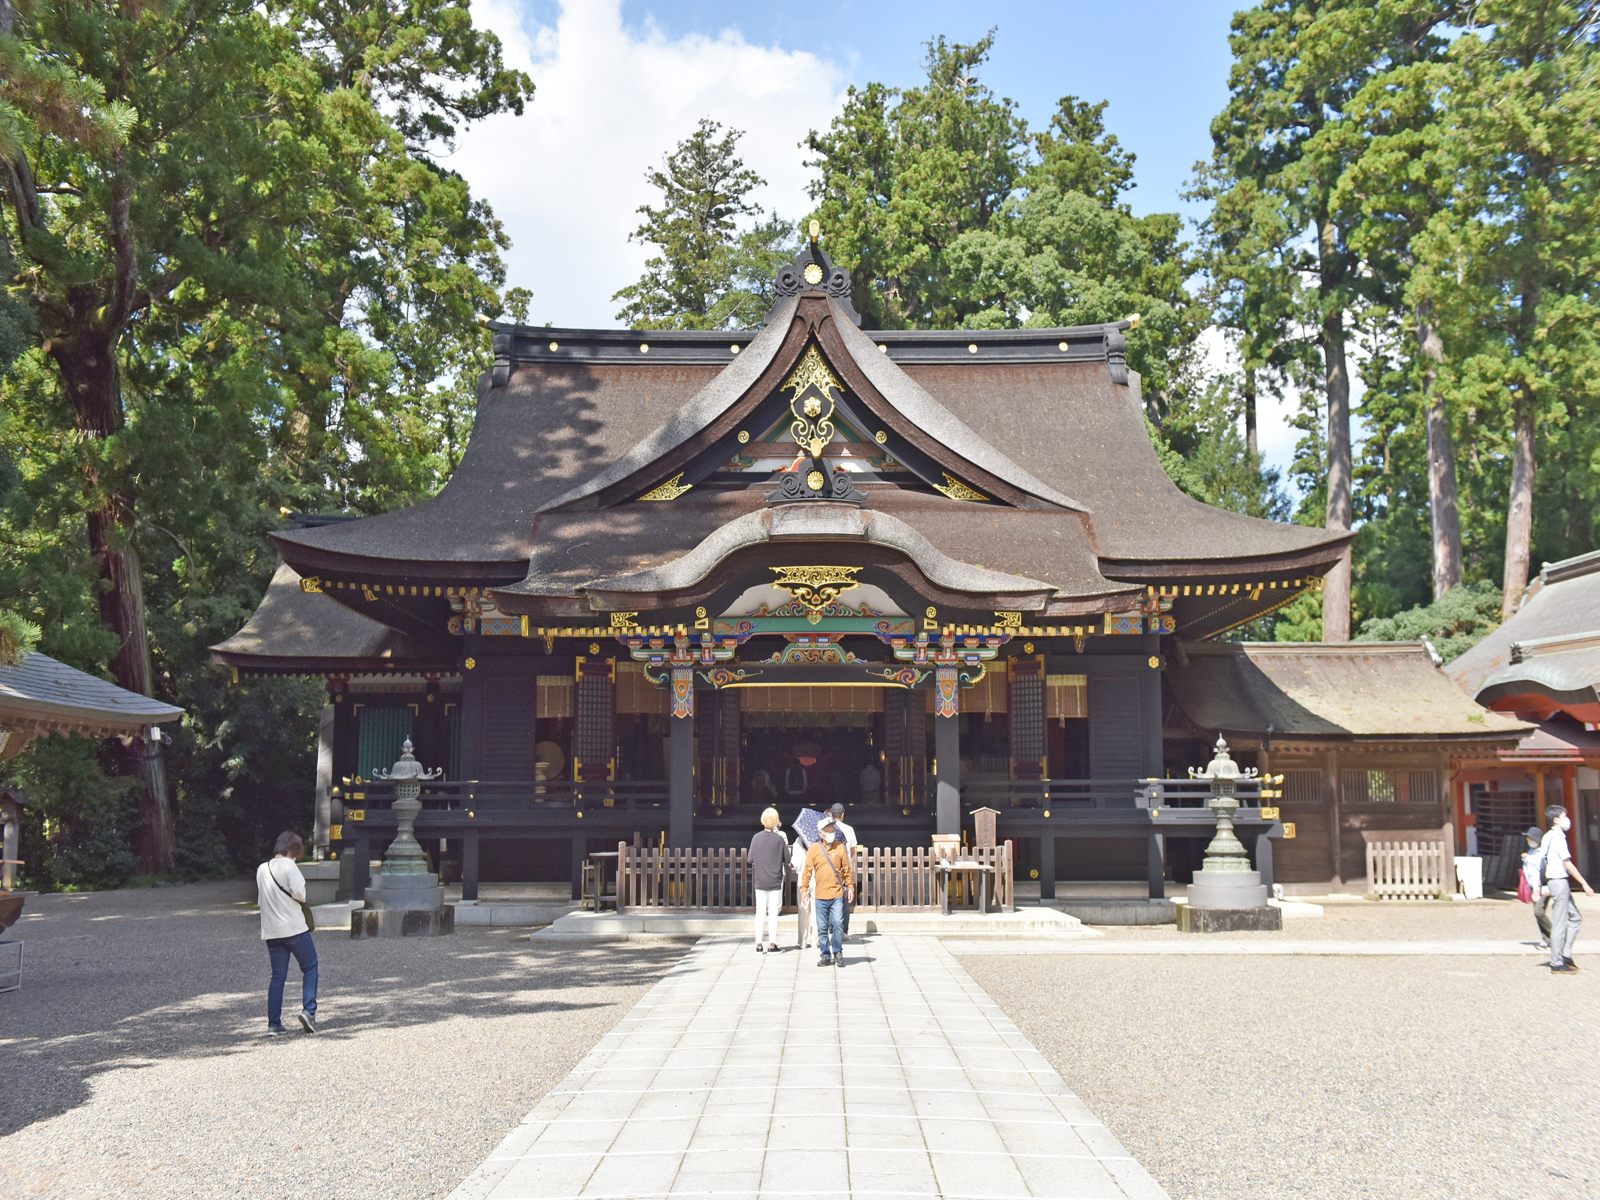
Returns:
(712, 269)
(240, 210)
(17, 637)
(78, 824)
(1454, 623)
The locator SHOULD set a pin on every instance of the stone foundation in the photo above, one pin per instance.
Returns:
(1229, 920)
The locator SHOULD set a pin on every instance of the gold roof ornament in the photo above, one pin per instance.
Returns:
(670, 490)
(957, 490)
(813, 427)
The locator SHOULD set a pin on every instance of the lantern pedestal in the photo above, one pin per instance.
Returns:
(405, 899)
(1226, 896)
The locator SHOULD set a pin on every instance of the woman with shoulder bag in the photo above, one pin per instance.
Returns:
(286, 929)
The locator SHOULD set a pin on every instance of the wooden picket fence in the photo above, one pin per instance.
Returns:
(717, 879)
(1408, 871)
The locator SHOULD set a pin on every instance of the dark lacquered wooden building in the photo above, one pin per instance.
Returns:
(678, 576)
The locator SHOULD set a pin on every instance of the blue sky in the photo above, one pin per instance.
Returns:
(1162, 66)
(620, 82)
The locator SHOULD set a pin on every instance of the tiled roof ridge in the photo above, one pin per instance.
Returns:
(1570, 568)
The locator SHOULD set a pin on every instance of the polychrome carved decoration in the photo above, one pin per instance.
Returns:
(812, 386)
(683, 692)
(815, 588)
(947, 692)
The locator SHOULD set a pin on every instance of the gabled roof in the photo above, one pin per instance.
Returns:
(41, 695)
(297, 632)
(1563, 603)
(1377, 691)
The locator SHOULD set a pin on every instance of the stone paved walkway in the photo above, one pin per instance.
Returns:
(765, 1076)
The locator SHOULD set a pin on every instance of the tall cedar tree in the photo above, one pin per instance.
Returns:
(167, 170)
(1282, 143)
(708, 272)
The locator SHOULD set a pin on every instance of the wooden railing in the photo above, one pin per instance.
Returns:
(1071, 795)
(1409, 870)
(472, 794)
(888, 878)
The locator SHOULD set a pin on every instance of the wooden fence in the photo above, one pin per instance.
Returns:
(1409, 871)
(889, 879)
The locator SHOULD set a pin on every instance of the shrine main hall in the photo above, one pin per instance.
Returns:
(679, 576)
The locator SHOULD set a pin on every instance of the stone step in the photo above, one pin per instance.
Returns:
(1024, 924)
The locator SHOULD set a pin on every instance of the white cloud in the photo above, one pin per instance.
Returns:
(1275, 437)
(567, 176)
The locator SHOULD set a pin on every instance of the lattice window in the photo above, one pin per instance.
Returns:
(1066, 696)
(636, 694)
(1027, 719)
(1303, 786)
(383, 728)
(1360, 785)
(1420, 787)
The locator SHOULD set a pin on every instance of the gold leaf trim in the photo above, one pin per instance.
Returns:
(957, 490)
(670, 490)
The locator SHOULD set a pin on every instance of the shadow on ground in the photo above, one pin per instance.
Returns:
(120, 980)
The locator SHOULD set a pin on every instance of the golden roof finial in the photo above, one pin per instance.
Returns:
(814, 229)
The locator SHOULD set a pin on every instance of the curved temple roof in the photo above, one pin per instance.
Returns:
(573, 427)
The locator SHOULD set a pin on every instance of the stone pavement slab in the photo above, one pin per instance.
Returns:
(765, 1076)
(1268, 944)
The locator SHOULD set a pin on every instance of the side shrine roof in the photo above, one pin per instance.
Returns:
(42, 695)
(295, 631)
(1563, 604)
(1368, 690)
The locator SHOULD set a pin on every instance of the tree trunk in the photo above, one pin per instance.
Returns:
(1519, 512)
(89, 371)
(1251, 439)
(1445, 513)
(1336, 585)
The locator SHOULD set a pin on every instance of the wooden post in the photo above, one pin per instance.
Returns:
(579, 846)
(1047, 864)
(469, 867)
(1264, 859)
(1335, 819)
(362, 874)
(1156, 864)
(680, 780)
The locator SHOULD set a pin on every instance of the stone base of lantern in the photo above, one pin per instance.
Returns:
(1266, 919)
(410, 905)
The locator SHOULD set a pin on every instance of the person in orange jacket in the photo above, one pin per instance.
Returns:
(828, 872)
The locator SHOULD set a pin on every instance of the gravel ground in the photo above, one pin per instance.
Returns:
(1399, 920)
(135, 1062)
(1307, 1077)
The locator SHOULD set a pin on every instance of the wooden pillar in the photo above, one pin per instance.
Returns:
(680, 766)
(1047, 864)
(947, 750)
(579, 850)
(1335, 820)
(1156, 864)
(361, 876)
(1576, 842)
(474, 701)
(469, 867)
(1264, 860)
(1150, 708)
(1539, 799)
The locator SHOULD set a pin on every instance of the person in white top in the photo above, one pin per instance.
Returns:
(802, 897)
(1559, 871)
(849, 835)
(280, 891)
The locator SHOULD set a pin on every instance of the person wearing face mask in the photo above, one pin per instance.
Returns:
(1559, 873)
(827, 873)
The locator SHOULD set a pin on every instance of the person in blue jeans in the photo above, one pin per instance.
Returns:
(827, 871)
(280, 891)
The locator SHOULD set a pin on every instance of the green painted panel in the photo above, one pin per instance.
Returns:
(383, 728)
